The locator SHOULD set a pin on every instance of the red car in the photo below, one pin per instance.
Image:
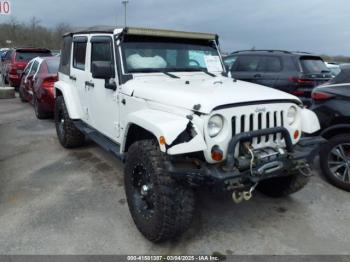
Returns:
(37, 85)
(19, 60)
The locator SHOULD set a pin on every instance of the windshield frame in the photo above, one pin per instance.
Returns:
(122, 60)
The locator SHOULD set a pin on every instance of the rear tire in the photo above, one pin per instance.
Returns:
(161, 208)
(21, 95)
(283, 186)
(68, 135)
(40, 114)
(338, 178)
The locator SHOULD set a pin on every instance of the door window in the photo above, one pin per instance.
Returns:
(230, 61)
(27, 69)
(79, 55)
(248, 63)
(272, 64)
(102, 52)
(34, 68)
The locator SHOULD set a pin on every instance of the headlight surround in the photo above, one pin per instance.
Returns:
(292, 115)
(215, 125)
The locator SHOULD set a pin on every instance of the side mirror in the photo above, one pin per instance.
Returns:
(102, 70)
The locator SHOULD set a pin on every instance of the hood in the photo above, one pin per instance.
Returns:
(197, 89)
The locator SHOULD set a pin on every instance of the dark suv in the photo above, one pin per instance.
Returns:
(293, 72)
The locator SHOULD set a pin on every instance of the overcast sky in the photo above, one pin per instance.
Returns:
(319, 26)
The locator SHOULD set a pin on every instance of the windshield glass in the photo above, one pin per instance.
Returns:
(342, 77)
(141, 55)
(313, 65)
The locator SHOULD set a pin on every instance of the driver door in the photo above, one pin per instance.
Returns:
(102, 102)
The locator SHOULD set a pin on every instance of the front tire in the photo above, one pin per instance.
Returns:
(283, 186)
(335, 161)
(68, 135)
(161, 208)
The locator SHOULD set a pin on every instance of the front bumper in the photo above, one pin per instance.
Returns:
(226, 175)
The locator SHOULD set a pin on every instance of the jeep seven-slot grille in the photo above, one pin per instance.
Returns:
(258, 121)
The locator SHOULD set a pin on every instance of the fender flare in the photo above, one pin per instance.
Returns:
(169, 126)
(309, 121)
(334, 128)
(71, 99)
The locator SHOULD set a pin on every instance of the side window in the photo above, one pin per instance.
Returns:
(26, 71)
(247, 63)
(230, 61)
(271, 64)
(8, 55)
(34, 68)
(102, 51)
(79, 53)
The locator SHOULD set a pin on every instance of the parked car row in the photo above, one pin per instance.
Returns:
(292, 72)
(15, 60)
(37, 83)
(165, 103)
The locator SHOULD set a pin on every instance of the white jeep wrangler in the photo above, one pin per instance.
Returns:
(161, 101)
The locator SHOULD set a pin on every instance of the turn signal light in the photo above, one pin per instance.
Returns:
(162, 140)
(296, 135)
(217, 154)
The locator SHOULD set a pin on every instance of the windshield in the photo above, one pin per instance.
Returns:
(342, 77)
(169, 55)
(313, 65)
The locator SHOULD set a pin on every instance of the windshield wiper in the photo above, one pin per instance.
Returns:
(200, 69)
(169, 74)
(205, 70)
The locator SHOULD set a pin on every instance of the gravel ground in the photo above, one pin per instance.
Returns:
(57, 201)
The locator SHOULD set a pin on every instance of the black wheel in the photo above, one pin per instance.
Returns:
(161, 208)
(39, 112)
(335, 161)
(68, 135)
(283, 186)
(21, 95)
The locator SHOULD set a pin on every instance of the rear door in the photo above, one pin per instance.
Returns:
(30, 78)
(247, 68)
(270, 69)
(79, 72)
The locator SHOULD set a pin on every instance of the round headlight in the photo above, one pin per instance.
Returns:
(215, 125)
(292, 115)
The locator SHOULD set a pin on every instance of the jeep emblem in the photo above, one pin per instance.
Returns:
(260, 110)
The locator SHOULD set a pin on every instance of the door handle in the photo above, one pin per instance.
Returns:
(257, 75)
(73, 78)
(90, 84)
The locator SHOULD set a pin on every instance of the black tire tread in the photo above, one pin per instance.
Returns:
(73, 137)
(175, 201)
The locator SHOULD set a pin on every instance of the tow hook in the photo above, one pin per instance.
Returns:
(239, 196)
(305, 170)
